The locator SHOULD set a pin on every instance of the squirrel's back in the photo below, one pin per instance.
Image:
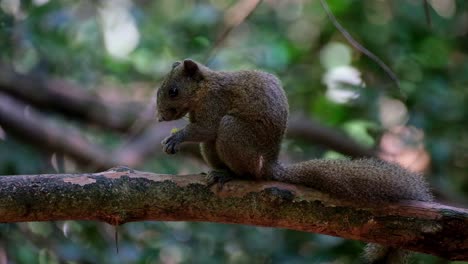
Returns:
(254, 95)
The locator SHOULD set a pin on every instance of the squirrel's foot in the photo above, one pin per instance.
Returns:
(218, 177)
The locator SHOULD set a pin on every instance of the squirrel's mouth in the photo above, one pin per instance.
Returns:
(180, 114)
(172, 114)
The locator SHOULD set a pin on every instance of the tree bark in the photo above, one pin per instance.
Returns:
(122, 195)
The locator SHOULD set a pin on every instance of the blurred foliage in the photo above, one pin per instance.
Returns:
(125, 48)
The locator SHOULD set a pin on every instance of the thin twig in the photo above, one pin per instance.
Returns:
(428, 13)
(356, 44)
(233, 17)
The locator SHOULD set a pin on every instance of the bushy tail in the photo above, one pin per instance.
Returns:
(364, 180)
(377, 254)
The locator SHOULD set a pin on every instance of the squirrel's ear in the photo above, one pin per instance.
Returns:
(191, 67)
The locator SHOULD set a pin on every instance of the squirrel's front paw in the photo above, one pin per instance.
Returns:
(171, 144)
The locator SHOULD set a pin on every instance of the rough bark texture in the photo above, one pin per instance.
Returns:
(123, 195)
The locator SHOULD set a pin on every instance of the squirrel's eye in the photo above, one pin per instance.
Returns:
(173, 92)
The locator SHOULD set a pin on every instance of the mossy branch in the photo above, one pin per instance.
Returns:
(123, 195)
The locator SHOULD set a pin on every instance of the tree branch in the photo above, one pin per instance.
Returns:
(32, 127)
(310, 130)
(233, 17)
(68, 99)
(427, 12)
(123, 195)
(357, 45)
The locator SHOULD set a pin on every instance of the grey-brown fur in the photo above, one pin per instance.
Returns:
(239, 118)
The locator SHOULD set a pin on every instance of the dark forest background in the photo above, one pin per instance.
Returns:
(77, 83)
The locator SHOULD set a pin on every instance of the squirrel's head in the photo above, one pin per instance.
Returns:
(177, 92)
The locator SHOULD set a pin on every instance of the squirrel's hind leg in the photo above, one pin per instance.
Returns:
(220, 173)
(219, 177)
(240, 148)
(211, 157)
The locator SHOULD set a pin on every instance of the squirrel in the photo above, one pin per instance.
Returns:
(240, 117)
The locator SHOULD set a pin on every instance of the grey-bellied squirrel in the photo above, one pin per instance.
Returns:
(240, 117)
